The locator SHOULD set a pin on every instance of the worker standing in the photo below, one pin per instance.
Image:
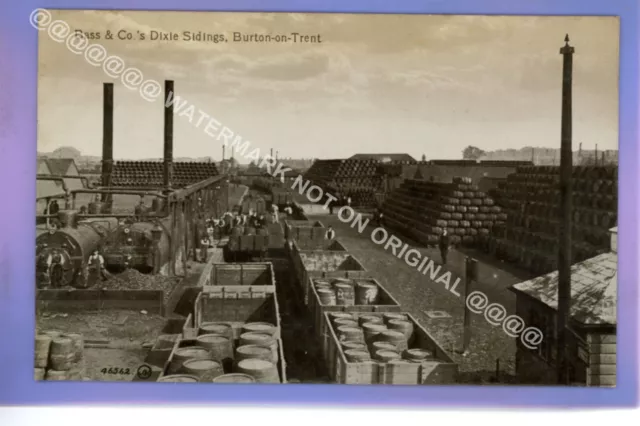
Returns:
(96, 267)
(444, 246)
(211, 234)
(276, 218)
(204, 245)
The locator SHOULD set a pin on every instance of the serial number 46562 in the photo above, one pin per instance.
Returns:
(116, 371)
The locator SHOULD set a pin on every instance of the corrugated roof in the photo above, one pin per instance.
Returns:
(380, 157)
(594, 289)
(59, 166)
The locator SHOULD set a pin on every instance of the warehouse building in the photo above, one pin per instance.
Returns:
(591, 343)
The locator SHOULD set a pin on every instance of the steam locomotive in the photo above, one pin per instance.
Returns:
(142, 243)
(62, 254)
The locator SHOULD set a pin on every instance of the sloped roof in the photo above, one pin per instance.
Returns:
(380, 157)
(594, 289)
(59, 166)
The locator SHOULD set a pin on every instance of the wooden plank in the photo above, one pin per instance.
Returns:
(604, 369)
(607, 380)
(602, 359)
(267, 289)
(601, 338)
(602, 348)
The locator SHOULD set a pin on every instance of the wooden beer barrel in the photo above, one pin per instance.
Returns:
(43, 345)
(205, 370)
(178, 378)
(260, 327)
(234, 378)
(354, 355)
(262, 371)
(62, 353)
(183, 354)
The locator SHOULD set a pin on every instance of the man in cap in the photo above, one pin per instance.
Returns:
(96, 266)
(204, 246)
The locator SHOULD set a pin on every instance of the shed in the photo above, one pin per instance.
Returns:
(591, 341)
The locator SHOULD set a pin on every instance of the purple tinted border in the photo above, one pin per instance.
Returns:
(18, 67)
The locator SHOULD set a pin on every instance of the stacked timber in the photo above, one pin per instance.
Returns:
(423, 210)
(150, 173)
(531, 199)
(59, 356)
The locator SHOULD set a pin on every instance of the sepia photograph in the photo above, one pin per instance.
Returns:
(359, 199)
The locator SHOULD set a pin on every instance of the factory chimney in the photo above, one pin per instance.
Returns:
(564, 252)
(107, 140)
(169, 95)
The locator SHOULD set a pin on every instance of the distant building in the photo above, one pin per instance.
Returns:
(591, 344)
(385, 158)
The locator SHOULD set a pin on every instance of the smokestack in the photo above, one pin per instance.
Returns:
(596, 156)
(107, 139)
(222, 167)
(271, 153)
(168, 134)
(564, 254)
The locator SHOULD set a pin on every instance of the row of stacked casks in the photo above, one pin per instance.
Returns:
(423, 210)
(531, 199)
(150, 173)
(365, 336)
(358, 179)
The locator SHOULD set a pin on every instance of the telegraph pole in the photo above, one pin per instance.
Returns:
(564, 255)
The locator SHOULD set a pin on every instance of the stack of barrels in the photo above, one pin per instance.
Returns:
(377, 338)
(226, 353)
(531, 199)
(358, 179)
(346, 292)
(59, 356)
(425, 209)
(149, 173)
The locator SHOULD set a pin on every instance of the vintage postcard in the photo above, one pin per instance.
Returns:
(326, 198)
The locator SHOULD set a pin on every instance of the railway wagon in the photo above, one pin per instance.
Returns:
(309, 234)
(337, 263)
(241, 297)
(62, 254)
(399, 352)
(365, 295)
(281, 197)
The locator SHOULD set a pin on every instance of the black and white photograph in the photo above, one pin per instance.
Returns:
(354, 199)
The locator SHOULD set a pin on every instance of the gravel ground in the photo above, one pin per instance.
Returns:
(125, 339)
(131, 279)
(417, 294)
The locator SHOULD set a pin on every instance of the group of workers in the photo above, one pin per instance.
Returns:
(216, 228)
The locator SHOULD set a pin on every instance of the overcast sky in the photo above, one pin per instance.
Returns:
(376, 83)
